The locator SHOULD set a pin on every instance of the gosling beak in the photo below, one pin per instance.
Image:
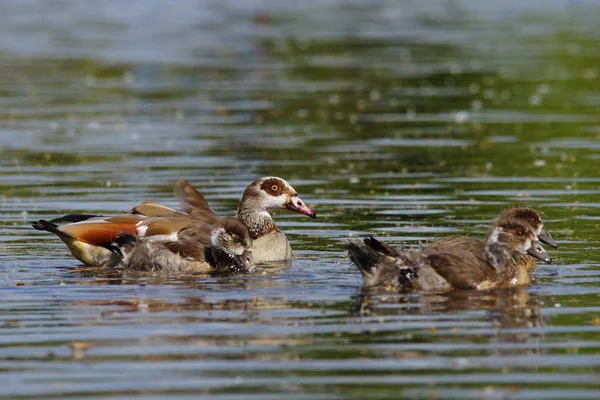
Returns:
(296, 204)
(545, 237)
(243, 262)
(539, 252)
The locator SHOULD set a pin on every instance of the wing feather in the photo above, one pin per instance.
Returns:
(193, 202)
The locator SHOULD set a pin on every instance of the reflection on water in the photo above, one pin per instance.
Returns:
(410, 121)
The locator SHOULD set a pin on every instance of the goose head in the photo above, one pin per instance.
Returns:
(272, 193)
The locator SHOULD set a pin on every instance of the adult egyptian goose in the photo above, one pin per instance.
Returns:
(448, 268)
(259, 199)
(171, 243)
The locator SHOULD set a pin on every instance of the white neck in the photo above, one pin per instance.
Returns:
(258, 222)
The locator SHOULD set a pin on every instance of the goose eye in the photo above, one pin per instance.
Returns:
(274, 188)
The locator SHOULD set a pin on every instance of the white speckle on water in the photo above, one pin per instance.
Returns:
(543, 88)
(460, 363)
(128, 78)
(535, 99)
(461, 117)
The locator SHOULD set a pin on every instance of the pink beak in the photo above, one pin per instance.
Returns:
(296, 204)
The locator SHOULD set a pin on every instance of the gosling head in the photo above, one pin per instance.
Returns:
(231, 246)
(530, 217)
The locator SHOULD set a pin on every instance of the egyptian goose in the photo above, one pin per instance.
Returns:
(467, 244)
(259, 199)
(450, 268)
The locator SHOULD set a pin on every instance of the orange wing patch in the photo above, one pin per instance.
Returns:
(101, 232)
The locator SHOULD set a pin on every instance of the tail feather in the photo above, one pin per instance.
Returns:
(52, 225)
(381, 247)
(364, 257)
(69, 218)
(43, 225)
(381, 264)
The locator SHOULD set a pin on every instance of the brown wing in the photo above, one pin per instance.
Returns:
(461, 261)
(472, 250)
(460, 270)
(153, 209)
(192, 241)
(453, 244)
(165, 225)
(193, 202)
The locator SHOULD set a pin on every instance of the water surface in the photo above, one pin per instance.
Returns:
(408, 121)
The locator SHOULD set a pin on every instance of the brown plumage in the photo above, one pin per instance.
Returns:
(198, 247)
(496, 264)
(467, 246)
(173, 242)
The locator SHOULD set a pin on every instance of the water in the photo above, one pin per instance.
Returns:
(406, 120)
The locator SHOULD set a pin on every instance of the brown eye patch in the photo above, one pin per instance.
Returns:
(273, 187)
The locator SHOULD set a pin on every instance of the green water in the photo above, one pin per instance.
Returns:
(406, 120)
